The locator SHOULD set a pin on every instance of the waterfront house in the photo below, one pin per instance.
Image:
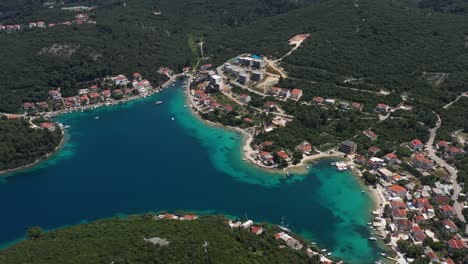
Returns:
(247, 224)
(283, 155)
(382, 109)
(348, 147)
(370, 134)
(416, 145)
(397, 191)
(82, 16)
(373, 150)
(450, 226)
(106, 93)
(305, 148)
(84, 99)
(94, 97)
(296, 94)
(69, 102)
(51, 25)
(48, 126)
(447, 210)
(417, 235)
(258, 230)
(266, 158)
(318, 100)
(189, 217)
(83, 91)
(2, 27)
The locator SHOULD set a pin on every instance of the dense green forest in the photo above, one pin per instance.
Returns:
(122, 241)
(20, 144)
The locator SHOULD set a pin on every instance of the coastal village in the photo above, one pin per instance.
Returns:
(420, 203)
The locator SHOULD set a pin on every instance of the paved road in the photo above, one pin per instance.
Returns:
(450, 169)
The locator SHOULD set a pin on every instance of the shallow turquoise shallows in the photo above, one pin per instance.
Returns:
(135, 158)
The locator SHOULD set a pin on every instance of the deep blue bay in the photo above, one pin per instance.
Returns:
(135, 159)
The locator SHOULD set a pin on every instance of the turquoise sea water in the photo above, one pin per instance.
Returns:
(135, 159)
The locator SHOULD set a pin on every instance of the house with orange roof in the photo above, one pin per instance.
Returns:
(137, 76)
(382, 108)
(442, 144)
(456, 243)
(318, 100)
(28, 105)
(258, 230)
(266, 158)
(370, 134)
(422, 162)
(416, 145)
(296, 94)
(455, 152)
(450, 225)
(283, 155)
(399, 213)
(391, 158)
(447, 210)
(48, 126)
(189, 217)
(417, 235)
(397, 190)
(373, 150)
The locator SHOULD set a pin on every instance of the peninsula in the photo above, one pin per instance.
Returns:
(173, 238)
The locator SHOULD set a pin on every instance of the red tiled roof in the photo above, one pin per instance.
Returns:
(391, 156)
(456, 243)
(416, 142)
(318, 99)
(296, 91)
(398, 204)
(282, 154)
(397, 188)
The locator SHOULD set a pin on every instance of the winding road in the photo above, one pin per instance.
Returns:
(450, 169)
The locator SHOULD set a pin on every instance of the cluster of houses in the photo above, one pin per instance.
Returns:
(79, 19)
(284, 235)
(323, 102)
(294, 94)
(121, 87)
(415, 211)
(207, 103)
(267, 158)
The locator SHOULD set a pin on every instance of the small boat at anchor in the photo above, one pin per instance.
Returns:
(158, 102)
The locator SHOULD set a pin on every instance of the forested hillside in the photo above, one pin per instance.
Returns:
(386, 43)
(205, 240)
(21, 145)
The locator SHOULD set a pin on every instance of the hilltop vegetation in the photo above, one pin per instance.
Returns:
(122, 241)
(21, 144)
